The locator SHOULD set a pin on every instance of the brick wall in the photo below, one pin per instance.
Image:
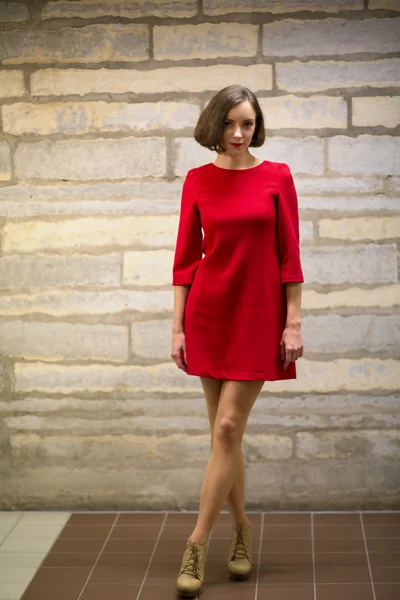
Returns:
(98, 102)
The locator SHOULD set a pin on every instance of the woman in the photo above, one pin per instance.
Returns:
(237, 310)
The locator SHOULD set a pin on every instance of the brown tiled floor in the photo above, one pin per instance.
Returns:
(297, 556)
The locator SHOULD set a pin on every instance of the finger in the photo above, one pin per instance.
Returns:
(282, 350)
(301, 352)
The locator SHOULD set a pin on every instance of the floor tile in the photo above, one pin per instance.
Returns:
(286, 531)
(342, 575)
(345, 592)
(102, 591)
(341, 559)
(291, 575)
(65, 575)
(385, 574)
(85, 531)
(232, 591)
(181, 519)
(92, 519)
(123, 575)
(284, 559)
(78, 545)
(334, 531)
(52, 591)
(175, 531)
(16, 574)
(139, 531)
(337, 519)
(225, 531)
(11, 591)
(31, 545)
(287, 519)
(339, 545)
(44, 517)
(381, 518)
(7, 517)
(29, 532)
(130, 545)
(286, 592)
(141, 519)
(286, 545)
(21, 559)
(124, 560)
(384, 559)
(382, 544)
(389, 591)
(385, 531)
(70, 559)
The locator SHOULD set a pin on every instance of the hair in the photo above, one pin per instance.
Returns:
(210, 125)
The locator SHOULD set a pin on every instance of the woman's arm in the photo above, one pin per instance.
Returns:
(292, 343)
(180, 296)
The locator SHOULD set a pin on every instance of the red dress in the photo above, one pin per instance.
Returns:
(235, 311)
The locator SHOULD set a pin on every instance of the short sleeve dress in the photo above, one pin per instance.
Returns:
(237, 245)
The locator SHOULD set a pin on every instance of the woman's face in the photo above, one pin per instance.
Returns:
(239, 126)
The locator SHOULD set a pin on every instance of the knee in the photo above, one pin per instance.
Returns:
(226, 433)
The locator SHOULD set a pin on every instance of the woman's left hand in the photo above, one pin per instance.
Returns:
(291, 344)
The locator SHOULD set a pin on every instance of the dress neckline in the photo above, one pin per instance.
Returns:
(237, 170)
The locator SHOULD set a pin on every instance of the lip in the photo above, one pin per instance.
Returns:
(236, 145)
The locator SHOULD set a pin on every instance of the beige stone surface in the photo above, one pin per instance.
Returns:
(80, 234)
(206, 40)
(11, 83)
(96, 117)
(62, 82)
(375, 111)
(87, 9)
(86, 45)
(342, 375)
(148, 267)
(384, 296)
(225, 7)
(59, 341)
(91, 159)
(361, 228)
(5, 161)
(319, 75)
(364, 155)
(315, 112)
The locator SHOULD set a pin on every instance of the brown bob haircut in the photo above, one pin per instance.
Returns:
(210, 126)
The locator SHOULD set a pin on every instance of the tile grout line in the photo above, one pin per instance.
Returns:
(313, 556)
(366, 552)
(100, 553)
(152, 555)
(259, 555)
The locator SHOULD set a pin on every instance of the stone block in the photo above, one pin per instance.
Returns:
(5, 161)
(133, 9)
(17, 272)
(13, 12)
(91, 159)
(86, 45)
(62, 82)
(376, 111)
(374, 445)
(370, 263)
(364, 155)
(59, 341)
(315, 112)
(206, 41)
(11, 83)
(330, 37)
(75, 118)
(316, 76)
(148, 268)
(383, 296)
(90, 232)
(361, 228)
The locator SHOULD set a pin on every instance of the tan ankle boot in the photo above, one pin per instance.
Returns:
(191, 575)
(239, 562)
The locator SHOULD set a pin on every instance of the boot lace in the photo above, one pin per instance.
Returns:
(240, 549)
(191, 566)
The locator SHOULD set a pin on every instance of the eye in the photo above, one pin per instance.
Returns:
(248, 124)
(226, 123)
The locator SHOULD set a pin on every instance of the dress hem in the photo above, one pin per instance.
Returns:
(238, 377)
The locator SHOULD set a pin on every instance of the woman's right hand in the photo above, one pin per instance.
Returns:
(179, 350)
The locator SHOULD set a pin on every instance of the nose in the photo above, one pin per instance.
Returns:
(237, 133)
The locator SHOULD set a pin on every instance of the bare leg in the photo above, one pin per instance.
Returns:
(212, 390)
(235, 403)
